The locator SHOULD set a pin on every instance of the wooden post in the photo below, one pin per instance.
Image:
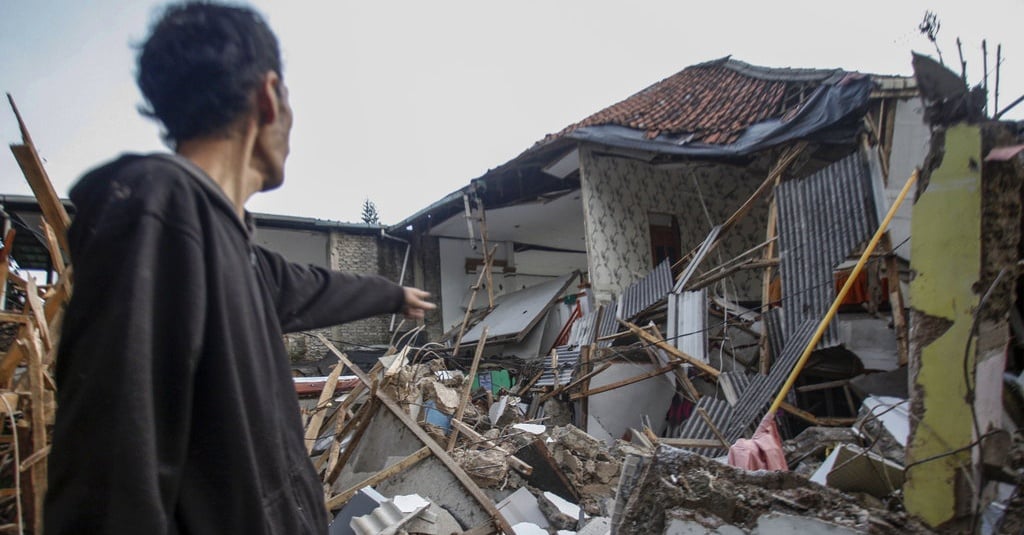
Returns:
(468, 389)
(313, 429)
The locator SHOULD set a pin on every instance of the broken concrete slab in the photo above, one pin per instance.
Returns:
(783, 524)
(521, 506)
(561, 513)
(850, 468)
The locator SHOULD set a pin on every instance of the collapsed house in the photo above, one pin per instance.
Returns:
(628, 300)
(724, 203)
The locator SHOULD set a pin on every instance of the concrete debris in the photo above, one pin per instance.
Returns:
(678, 479)
(562, 514)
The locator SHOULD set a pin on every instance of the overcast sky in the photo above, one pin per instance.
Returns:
(402, 102)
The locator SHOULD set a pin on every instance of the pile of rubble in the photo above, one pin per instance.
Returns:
(495, 470)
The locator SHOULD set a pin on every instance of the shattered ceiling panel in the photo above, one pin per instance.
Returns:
(516, 313)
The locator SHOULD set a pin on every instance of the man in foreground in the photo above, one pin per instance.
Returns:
(176, 407)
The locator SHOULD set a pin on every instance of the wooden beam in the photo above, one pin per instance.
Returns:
(13, 317)
(785, 160)
(32, 167)
(56, 256)
(625, 382)
(651, 339)
(37, 398)
(681, 375)
(529, 384)
(711, 425)
(35, 311)
(488, 258)
(483, 500)
(361, 423)
(14, 356)
(574, 384)
(313, 429)
(816, 420)
(513, 461)
(339, 500)
(464, 400)
(691, 442)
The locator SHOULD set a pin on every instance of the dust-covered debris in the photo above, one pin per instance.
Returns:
(678, 479)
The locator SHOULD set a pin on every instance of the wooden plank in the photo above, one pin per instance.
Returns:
(513, 461)
(37, 397)
(681, 375)
(488, 258)
(35, 311)
(334, 455)
(786, 159)
(339, 500)
(651, 339)
(711, 425)
(56, 256)
(32, 167)
(468, 388)
(13, 317)
(626, 382)
(14, 356)
(313, 429)
(361, 422)
(582, 379)
(816, 420)
(529, 384)
(483, 500)
(691, 442)
(31, 460)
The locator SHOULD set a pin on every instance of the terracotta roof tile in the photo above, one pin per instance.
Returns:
(713, 101)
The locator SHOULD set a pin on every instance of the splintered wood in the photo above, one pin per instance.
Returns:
(34, 315)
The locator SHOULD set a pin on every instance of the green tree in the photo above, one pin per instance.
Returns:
(370, 214)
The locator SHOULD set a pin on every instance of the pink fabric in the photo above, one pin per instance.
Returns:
(763, 451)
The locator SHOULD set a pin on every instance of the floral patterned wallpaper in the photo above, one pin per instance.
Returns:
(619, 194)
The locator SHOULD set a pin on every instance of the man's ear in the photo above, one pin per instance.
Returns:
(267, 97)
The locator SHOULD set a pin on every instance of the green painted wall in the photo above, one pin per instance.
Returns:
(946, 253)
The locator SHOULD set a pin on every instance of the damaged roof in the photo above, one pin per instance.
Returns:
(712, 102)
(721, 109)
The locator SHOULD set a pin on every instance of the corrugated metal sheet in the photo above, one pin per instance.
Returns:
(719, 412)
(584, 330)
(568, 358)
(608, 324)
(763, 388)
(773, 321)
(647, 291)
(734, 384)
(691, 268)
(687, 323)
(823, 219)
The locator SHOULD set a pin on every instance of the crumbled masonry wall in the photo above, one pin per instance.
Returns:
(371, 255)
(619, 193)
(678, 479)
(946, 263)
(424, 271)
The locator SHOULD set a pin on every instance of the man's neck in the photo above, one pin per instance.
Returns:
(228, 161)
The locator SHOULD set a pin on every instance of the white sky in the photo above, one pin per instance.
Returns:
(402, 102)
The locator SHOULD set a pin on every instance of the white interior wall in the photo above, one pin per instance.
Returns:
(611, 413)
(910, 141)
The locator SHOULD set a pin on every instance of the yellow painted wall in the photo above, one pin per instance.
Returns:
(946, 256)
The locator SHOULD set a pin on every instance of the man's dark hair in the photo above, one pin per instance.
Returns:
(200, 64)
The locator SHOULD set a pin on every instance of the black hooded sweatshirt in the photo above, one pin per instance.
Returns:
(177, 413)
